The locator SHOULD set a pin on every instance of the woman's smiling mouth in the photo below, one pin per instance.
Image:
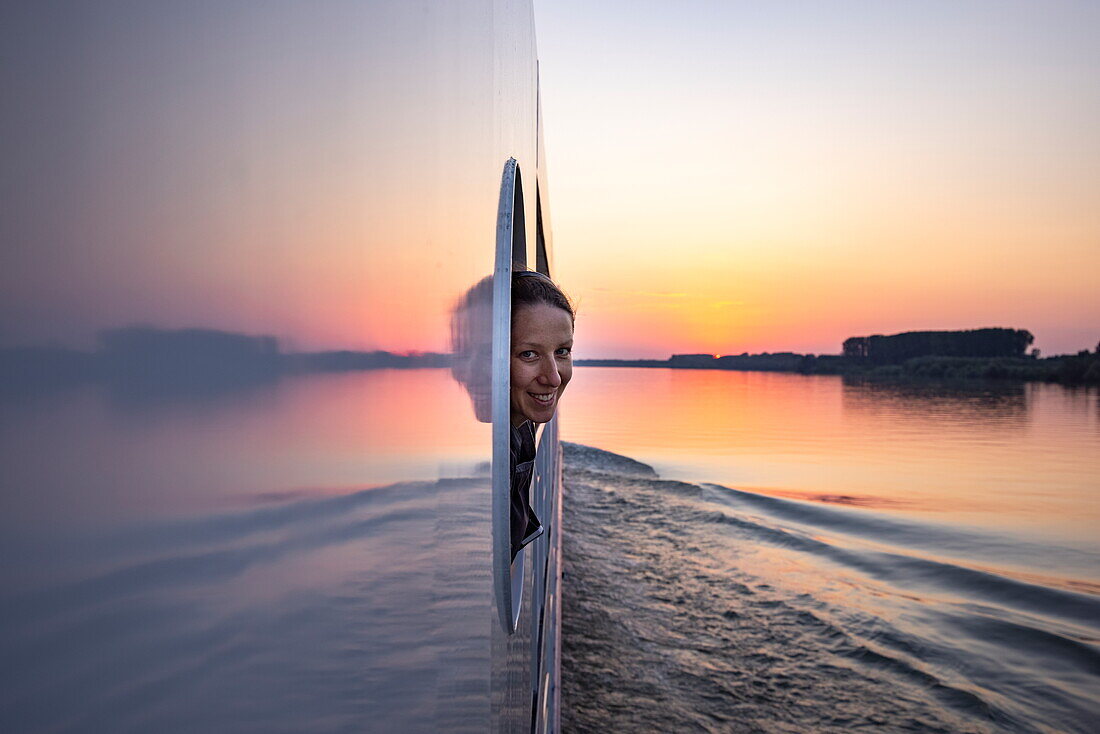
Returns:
(543, 398)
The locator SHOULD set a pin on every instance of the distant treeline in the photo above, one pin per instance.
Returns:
(141, 360)
(147, 359)
(898, 348)
(777, 362)
(972, 354)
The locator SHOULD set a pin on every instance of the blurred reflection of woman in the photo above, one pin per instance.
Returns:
(472, 346)
(541, 367)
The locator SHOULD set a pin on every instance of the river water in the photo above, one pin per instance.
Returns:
(815, 555)
(809, 554)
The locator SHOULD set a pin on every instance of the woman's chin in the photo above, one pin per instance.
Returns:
(535, 415)
(542, 414)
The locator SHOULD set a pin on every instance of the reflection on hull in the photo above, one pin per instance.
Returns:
(242, 489)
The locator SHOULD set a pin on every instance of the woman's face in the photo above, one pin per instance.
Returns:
(542, 361)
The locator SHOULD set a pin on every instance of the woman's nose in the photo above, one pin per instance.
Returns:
(549, 375)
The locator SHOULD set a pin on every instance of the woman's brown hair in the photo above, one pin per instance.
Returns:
(530, 287)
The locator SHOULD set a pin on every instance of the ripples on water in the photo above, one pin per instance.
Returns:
(698, 607)
(920, 561)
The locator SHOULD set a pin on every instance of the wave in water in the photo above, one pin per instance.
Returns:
(701, 607)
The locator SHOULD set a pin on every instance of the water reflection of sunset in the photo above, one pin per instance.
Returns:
(993, 457)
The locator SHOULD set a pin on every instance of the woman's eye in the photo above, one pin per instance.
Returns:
(527, 354)
(564, 352)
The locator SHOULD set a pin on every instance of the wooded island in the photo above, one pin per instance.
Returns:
(993, 353)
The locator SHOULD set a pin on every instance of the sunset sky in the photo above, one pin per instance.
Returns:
(723, 176)
(735, 176)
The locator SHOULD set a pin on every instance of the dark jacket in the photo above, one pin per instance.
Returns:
(525, 525)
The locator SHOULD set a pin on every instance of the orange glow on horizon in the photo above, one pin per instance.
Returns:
(785, 196)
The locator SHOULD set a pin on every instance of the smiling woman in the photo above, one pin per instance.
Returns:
(542, 344)
(541, 364)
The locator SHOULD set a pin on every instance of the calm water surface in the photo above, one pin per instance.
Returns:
(1014, 463)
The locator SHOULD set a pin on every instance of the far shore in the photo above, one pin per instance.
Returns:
(1078, 369)
(151, 359)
